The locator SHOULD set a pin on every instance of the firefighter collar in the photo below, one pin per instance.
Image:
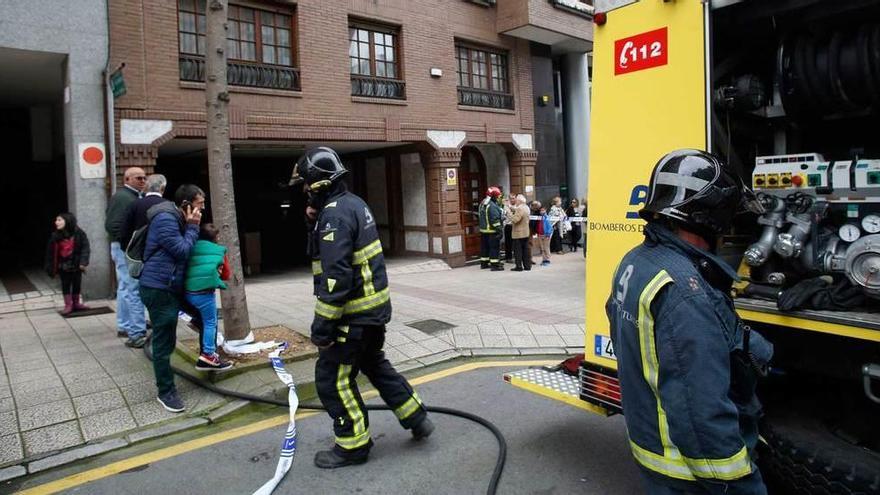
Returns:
(659, 234)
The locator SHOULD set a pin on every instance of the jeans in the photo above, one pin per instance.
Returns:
(70, 282)
(129, 307)
(206, 305)
(163, 306)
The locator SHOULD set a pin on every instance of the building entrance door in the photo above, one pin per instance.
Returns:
(472, 177)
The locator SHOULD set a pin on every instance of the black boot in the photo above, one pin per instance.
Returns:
(331, 459)
(497, 267)
(423, 430)
(484, 265)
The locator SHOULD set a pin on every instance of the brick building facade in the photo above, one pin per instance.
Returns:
(428, 101)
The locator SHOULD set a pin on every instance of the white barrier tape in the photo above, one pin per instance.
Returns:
(565, 219)
(288, 448)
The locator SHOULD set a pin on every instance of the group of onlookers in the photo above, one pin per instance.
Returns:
(531, 229)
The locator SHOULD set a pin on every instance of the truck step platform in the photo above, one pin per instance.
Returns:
(556, 385)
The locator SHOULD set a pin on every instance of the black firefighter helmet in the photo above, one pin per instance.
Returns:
(696, 189)
(318, 168)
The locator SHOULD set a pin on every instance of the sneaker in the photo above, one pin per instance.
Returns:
(136, 342)
(212, 362)
(545, 263)
(423, 429)
(171, 402)
(122, 334)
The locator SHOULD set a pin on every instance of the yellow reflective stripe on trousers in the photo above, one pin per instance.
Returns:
(409, 407)
(367, 303)
(361, 434)
(672, 463)
(367, 275)
(328, 311)
(316, 268)
(367, 252)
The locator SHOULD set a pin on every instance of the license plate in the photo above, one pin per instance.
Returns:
(604, 347)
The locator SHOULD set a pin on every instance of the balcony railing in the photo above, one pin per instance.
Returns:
(482, 98)
(192, 68)
(377, 87)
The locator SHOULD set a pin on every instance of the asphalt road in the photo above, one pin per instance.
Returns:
(553, 448)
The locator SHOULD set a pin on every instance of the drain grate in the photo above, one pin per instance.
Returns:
(430, 326)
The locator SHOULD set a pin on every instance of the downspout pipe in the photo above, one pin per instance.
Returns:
(109, 111)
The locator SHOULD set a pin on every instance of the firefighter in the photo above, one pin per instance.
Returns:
(491, 216)
(353, 305)
(687, 364)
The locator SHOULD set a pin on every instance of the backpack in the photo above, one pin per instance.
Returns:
(134, 252)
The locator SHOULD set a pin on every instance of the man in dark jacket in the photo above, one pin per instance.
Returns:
(173, 230)
(352, 309)
(136, 215)
(687, 364)
(130, 321)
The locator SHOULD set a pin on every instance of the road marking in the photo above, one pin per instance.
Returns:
(223, 436)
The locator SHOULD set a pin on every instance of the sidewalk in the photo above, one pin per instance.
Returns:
(69, 382)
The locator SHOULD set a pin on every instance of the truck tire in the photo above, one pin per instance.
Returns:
(801, 456)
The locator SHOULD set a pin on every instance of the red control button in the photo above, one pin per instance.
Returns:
(797, 180)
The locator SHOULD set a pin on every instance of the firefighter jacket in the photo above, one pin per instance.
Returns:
(349, 270)
(491, 216)
(688, 367)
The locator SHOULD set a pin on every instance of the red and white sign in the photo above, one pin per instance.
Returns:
(92, 161)
(642, 51)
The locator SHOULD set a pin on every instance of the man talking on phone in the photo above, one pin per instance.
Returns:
(352, 309)
(172, 232)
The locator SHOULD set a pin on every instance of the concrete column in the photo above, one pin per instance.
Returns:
(522, 172)
(576, 112)
(445, 233)
(83, 117)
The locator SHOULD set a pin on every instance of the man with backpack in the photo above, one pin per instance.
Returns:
(136, 218)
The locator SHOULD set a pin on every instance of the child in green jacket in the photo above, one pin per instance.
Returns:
(207, 269)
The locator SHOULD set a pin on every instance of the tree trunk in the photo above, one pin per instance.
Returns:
(236, 323)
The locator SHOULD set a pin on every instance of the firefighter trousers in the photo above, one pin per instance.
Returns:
(335, 378)
(490, 248)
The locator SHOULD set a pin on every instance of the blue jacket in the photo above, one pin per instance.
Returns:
(490, 216)
(169, 242)
(687, 380)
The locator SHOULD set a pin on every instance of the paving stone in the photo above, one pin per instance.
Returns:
(495, 340)
(42, 374)
(107, 423)
(538, 351)
(435, 345)
(29, 398)
(18, 357)
(550, 341)
(51, 438)
(76, 454)
(69, 359)
(439, 357)
(139, 393)
(520, 341)
(228, 409)
(84, 386)
(569, 329)
(45, 414)
(394, 338)
(394, 355)
(491, 329)
(573, 340)
(8, 423)
(170, 428)
(10, 448)
(149, 413)
(517, 329)
(468, 341)
(12, 472)
(7, 404)
(542, 329)
(88, 405)
(495, 351)
(413, 350)
(124, 379)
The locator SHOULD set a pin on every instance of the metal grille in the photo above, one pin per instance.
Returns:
(600, 386)
(430, 326)
(554, 380)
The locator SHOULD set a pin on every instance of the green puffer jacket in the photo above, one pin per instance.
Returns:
(201, 272)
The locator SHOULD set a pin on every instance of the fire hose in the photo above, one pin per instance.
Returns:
(288, 448)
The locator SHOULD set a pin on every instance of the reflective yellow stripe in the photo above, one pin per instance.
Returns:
(367, 303)
(367, 252)
(367, 275)
(316, 268)
(348, 400)
(672, 463)
(328, 311)
(341, 340)
(354, 442)
(409, 407)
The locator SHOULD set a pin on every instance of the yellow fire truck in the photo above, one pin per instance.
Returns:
(788, 93)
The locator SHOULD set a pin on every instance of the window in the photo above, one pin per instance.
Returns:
(259, 46)
(254, 35)
(374, 55)
(483, 77)
(373, 52)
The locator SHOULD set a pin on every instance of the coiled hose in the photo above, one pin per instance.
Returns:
(485, 423)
